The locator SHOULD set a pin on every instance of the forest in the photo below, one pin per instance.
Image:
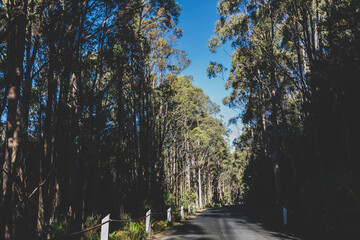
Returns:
(97, 117)
(294, 68)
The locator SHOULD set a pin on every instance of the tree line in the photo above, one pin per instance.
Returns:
(96, 118)
(295, 65)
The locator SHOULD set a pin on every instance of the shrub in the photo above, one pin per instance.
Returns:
(136, 230)
(59, 229)
(120, 235)
(90, 222)
(159, 226)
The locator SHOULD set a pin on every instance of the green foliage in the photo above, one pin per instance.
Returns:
(196, 143)
(120, 235)
(58, 229)
(159, 226)
(102, 115)
(214, 69)
(91, 221)
(212, 45)
(294, 68)
(136, 230)
(170, 200)
(131, 231)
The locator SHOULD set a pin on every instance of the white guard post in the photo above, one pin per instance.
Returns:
(189, 209)
(105, 228)
(182, 212)
(147, 227)
(168, 215)
(285, 215)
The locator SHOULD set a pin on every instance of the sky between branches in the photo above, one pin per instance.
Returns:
(197, 19)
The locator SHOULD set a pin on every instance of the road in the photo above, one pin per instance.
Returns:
(232, 222)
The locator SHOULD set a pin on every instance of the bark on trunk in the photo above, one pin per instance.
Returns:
(14, 75)
(200, 193)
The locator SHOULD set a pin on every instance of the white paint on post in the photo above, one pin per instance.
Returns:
(189, 209)
(147, 227)
(182, 212)
(105, 228)
(285, 216)
(169, 215)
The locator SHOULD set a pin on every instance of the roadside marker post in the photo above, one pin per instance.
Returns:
(105, 228)
(285, 216)
(169, 215)
(189, 209)
(182, 212)
(147, 227)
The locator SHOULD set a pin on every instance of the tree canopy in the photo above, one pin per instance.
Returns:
(96, 115)
(96, 118)
(295, 65)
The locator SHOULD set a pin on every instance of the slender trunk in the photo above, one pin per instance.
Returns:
(40, 208)
(276, 145)
(209, 189)
(188, 162)
(177, 181)
(265, 138)
(205, 191)
(220, 192)
(47, 168)
(14, 75)
(199, 182)
(274, 100)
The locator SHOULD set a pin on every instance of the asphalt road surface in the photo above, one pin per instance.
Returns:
(232, 222)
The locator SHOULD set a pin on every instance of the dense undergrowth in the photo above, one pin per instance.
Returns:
(326, 207)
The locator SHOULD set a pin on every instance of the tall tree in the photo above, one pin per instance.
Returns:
(282, 76)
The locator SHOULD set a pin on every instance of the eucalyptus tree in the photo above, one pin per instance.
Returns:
(295, 104)
(195, 146)
(256, 79)
(75, 72)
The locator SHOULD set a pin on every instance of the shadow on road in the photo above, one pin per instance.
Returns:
(230, 222)
(188, 230)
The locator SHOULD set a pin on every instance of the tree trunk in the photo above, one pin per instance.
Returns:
(274, 100)
(200, 193)
(14, 75)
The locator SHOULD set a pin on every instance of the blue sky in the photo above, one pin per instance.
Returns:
(197, 19)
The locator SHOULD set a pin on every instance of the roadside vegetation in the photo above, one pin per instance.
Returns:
(295, 65)
(96, 118)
